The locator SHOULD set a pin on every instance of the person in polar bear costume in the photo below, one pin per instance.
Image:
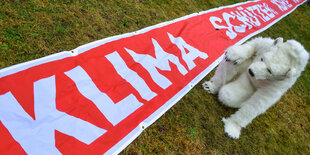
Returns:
(253, 76)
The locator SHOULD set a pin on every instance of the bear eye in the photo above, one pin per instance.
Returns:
(261, 59)
(269, 70)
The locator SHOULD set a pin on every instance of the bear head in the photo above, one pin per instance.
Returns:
(281, 61)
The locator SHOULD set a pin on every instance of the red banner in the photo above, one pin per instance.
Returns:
(100, 96)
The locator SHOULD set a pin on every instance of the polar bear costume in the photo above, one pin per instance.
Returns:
(254, 76)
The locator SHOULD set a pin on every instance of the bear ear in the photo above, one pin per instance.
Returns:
(291, 72)
(296, 49)
(278, 41)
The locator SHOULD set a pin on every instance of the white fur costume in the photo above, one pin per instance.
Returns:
(263, 69)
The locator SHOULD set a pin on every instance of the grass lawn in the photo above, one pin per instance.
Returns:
(31, 29)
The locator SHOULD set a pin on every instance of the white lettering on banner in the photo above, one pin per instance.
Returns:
(241, 16)
(191, 55)
(38, 136)
(161, 61)
(247, 16)
(114, 112)
(261, 15)
(130, 76)
(296, 1)
(283, 5)
(230, 33)
(267, 10)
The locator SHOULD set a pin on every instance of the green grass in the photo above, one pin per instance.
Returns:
(33, 29)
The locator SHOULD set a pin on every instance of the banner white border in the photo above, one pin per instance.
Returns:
(122, 144)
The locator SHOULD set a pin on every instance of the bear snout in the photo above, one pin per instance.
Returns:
(251, 72)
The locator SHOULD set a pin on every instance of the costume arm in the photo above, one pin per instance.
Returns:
(239, 53)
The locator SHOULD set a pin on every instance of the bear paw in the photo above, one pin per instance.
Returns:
(210, 87)
(231, 128)
(235, 55)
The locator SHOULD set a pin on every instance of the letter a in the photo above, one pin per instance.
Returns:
(38, 136)
(191, 55)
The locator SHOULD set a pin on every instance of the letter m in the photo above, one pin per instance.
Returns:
(161, 61)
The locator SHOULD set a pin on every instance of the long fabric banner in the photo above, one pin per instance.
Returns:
(99, 97)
